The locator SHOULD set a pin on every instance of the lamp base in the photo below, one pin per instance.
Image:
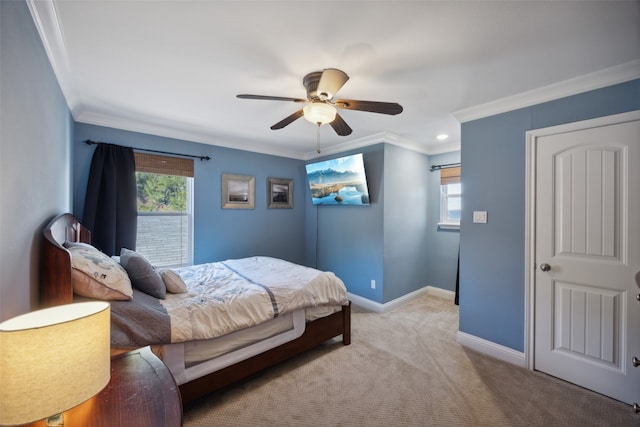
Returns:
(55, 421)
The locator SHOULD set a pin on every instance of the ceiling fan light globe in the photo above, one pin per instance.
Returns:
(319, 113)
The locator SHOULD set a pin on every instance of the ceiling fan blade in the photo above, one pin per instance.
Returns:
(288, 120)
(330, 83)
(271, 98)
(340, 126)
(391, 108)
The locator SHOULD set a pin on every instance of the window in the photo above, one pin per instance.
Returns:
(165, 209)
(450, 198)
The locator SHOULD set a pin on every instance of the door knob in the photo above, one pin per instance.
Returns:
(545, 267)
(635, 361)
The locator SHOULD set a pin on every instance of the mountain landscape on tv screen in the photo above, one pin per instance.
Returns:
(329, 186)
(332, 176)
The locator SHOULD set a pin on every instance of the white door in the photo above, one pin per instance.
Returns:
(587, 254)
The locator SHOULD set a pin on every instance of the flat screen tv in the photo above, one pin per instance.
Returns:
(340, 181)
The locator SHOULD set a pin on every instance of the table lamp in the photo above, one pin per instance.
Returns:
(52, 360)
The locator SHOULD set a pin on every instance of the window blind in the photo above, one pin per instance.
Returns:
(450, 175)
(154, 163)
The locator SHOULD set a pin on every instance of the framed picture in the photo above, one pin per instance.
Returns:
(238, 191)
(279, 193)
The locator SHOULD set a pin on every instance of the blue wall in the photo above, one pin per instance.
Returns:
(385, 241)
(492, 275)
(406, 175)
(348, 240)
(218, 233)
(442, 244)
(35, 158)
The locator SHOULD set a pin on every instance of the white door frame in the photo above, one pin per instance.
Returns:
(530, 216)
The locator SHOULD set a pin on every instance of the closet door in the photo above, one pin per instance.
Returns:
(587, 255)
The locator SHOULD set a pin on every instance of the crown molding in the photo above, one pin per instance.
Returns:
(606, 77)
(142, 126)
(386, 137)
(353, 144)
(45, 18)
(443, 148)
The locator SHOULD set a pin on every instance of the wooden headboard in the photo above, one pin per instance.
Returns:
(56, 287)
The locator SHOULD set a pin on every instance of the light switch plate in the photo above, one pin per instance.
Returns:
(480, 217)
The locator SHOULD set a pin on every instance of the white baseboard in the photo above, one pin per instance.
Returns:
(489, 348)
(383, 308)
(441, 293)
(365, 303)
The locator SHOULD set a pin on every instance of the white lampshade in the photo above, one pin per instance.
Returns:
(52, 360)
(319, 113)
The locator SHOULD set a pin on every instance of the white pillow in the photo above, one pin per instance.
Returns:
(173, 282)
(96, 275)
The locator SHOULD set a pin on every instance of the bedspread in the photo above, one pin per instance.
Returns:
(235, 294)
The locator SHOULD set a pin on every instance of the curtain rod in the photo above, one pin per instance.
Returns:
(90, 142)
(448, 165)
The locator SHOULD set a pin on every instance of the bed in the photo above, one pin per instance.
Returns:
(200, 363)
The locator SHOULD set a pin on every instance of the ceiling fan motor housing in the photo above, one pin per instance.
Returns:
(310, 82)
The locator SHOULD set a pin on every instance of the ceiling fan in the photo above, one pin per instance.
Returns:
(320, 107)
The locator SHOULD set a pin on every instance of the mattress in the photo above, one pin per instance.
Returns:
(197, 351)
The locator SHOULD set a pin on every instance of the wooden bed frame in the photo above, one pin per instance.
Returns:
(56, 288)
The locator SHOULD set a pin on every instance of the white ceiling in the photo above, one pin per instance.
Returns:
(174, 68)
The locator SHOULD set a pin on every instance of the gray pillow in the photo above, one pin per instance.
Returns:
(142, 274)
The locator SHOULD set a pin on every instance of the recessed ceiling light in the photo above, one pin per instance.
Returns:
(442, 137)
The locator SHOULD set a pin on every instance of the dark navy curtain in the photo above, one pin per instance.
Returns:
(457, 299)
(110, 210)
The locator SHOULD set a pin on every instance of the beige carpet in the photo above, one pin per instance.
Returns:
(404, 368)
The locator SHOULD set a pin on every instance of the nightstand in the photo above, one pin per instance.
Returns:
(141, 393)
